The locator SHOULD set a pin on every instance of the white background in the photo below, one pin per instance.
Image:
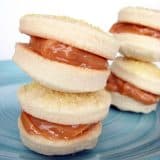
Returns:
(102, 13)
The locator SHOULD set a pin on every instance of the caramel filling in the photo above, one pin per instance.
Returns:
(116, 84)
(52, 131)
(121, 27)
(57, 51)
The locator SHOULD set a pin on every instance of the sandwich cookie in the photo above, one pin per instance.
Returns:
(138, 30)
(57, 123)
(134, 85)
(65, 54)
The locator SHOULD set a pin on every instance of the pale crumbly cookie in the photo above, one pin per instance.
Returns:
(64, 108)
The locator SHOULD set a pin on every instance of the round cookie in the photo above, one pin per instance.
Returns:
(140, 15)
(64, 108)
(59, 147)
(144, 75)
(59, 76)
(134, 85)
(73, 32)
(140, 47)
(138, 31)
(126, 103)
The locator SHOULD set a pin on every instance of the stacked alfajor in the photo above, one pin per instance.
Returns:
(135, 81)
(63, 108)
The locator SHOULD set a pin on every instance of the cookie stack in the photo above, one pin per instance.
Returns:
(135, 80)
(63, 108)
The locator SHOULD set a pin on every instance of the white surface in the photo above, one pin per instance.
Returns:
(102, 13)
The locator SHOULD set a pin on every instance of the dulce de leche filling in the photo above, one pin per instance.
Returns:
(52, 131)
(116, 84)
(57, 51)
(122, 27)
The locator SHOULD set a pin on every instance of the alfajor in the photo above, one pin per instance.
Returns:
(138, 30)
(57, 123)
(134, 85)
(65, 54)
